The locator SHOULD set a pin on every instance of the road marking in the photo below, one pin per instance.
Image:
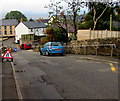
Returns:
(112, 67)
(111, 64)
(95, 59)
(87, 61)
(17, 84)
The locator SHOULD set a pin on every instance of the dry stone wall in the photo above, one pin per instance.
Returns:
(108, 46)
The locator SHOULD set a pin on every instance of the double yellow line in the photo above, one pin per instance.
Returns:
(105, 61)
(112, 67)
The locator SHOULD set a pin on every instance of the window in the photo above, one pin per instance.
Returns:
(10, 32)
(31, 30)
(5, 32)
(0, 32)
(5, 27)
(10, 27)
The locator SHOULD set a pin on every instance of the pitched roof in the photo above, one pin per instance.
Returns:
(45, 20)
(34, 24)
(8, 22)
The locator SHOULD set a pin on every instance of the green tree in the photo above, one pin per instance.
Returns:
(31, 19)
(56, 11)
(98, 16)
(15, 15)
(101, 11)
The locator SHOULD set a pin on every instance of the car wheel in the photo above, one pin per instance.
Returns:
(62, 54)
(41, 53)
(47, 53)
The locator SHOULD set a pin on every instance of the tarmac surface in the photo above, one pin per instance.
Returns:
(8, 82)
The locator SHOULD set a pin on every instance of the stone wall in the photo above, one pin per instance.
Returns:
(108, 46)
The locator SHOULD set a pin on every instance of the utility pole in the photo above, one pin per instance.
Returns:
(110, 22)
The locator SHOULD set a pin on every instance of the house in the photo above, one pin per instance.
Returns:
(45, 21)
(36, 28)
(7, 27)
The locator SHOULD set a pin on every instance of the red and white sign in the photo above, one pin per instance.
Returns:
(7, 55)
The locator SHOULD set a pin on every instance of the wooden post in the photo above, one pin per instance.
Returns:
(110, 22)
(90, 33)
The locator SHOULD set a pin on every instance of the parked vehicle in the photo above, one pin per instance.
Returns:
(50, 48)
(26, 46)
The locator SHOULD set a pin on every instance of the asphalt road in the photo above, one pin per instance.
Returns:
(67, 77)
(0, 77)
(64, 77)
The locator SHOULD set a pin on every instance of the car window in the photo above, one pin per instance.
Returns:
(56, 44)
(47, 44)
(27, 44)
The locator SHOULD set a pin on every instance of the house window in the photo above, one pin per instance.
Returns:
(10, 27)
(10, 32)
(5, 27)
(5, 32)
(31, 30)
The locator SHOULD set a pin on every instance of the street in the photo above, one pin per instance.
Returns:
(61, 77)
(67, 77)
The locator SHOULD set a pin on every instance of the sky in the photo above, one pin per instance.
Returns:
(30, 8)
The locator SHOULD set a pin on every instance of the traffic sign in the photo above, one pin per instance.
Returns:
(7, 55)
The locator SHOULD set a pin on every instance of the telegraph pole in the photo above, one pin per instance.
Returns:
(110, 22)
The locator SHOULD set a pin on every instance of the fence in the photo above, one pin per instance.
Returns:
(95, 34)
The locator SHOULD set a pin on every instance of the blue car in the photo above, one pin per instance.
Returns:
(50, 48)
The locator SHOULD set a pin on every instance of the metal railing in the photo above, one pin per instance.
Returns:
(97, 46)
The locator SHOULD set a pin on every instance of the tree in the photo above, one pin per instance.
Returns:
(16, 15)
(31, 19)
(74, 10)
(98, 9)
(57, 10)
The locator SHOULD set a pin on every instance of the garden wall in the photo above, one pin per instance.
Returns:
(108, 46)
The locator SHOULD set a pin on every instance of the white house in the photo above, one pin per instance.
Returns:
(29, 27)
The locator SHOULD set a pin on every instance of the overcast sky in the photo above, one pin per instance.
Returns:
(30, 8)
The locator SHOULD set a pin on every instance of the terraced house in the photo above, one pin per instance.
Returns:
(7, 27)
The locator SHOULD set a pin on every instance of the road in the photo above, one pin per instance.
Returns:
(0, 78)
(64, 77)
(68, 77)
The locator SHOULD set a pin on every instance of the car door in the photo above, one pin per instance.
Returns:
(44, 48)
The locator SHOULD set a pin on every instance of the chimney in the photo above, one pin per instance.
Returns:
(21, 20)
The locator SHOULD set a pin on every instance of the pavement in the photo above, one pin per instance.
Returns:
(8, 82)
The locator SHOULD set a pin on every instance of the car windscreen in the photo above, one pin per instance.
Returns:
(28, 44)
(56, 44)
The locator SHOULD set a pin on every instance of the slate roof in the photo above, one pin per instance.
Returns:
(8, 22)
(45, 20)
(34, 24)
